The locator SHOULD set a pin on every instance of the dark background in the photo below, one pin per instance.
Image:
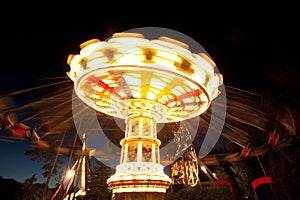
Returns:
(256, 48)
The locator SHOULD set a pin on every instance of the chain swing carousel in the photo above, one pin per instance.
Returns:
(148, 83)
(144, 82)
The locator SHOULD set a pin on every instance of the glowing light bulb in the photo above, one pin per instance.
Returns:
(70, 174)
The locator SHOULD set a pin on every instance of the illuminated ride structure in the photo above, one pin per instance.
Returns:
(186, 169)
(144, 82)
(77, 176)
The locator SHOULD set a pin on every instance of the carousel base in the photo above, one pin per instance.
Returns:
(139, 196)
(148, 186)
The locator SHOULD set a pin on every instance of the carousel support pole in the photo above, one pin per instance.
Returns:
(265, 174)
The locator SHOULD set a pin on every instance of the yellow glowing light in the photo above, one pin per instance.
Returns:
(131, 58)
(151, 96)
(70, 174)
(203, 168)
(80, 193)
(139, 189)
(168, 56)
(214, 175)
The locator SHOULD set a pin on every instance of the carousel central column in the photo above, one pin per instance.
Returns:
(140, 174)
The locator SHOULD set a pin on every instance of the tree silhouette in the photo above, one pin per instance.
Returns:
(8, 188)
(29, 190)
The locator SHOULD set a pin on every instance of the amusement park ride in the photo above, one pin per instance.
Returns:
(145, 83)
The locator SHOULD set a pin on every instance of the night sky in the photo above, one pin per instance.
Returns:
(256, 51)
